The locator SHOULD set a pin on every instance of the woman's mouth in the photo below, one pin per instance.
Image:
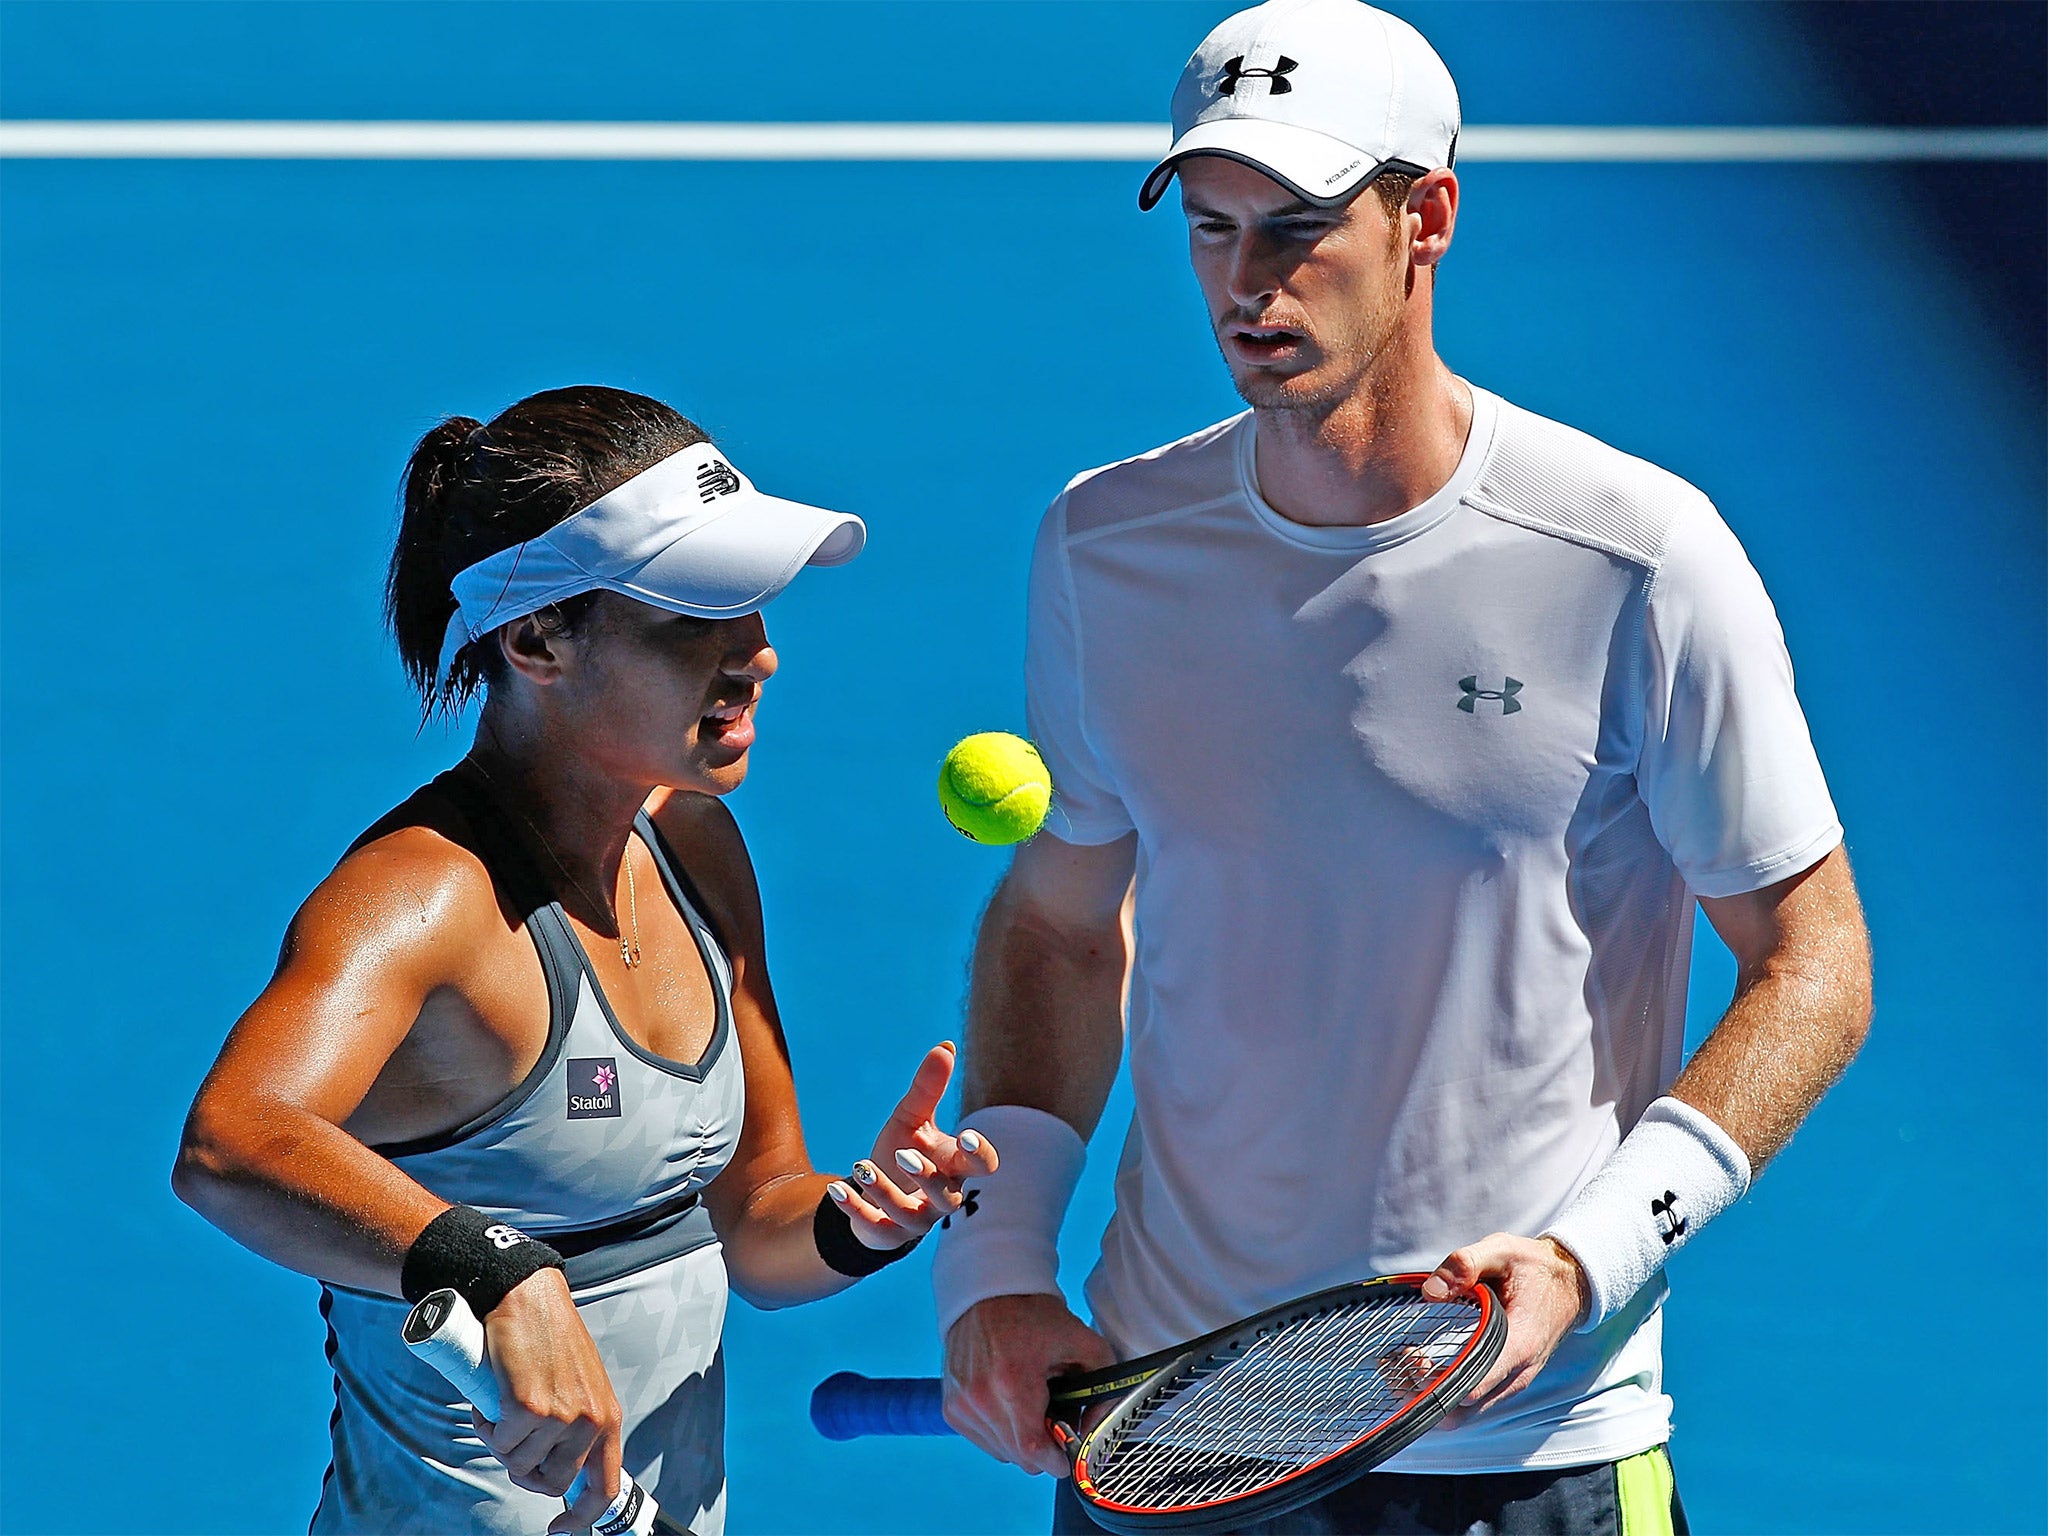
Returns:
(730, 726)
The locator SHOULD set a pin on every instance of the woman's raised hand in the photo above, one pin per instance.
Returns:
(916, 1175)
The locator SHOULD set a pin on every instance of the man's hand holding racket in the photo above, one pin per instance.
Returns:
(999, 1357)
(1543, 1293)
(1251, 1421)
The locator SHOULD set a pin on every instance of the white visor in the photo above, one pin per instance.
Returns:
(691, 535)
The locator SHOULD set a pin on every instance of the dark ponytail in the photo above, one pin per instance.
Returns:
(418, 600)
(472, 489)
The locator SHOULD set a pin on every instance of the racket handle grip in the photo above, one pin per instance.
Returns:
(445, 1333)
(848, 1405)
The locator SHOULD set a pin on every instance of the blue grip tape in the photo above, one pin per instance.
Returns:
(848, 1405)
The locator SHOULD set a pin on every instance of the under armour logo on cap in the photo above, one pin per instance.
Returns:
(1276, 77)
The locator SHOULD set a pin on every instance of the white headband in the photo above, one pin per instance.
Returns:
(690, 534)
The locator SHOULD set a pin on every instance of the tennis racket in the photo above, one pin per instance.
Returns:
(1243, 1424)
(443, 1331)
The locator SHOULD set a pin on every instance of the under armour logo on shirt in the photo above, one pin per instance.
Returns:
(1276, 77)
(1504, 695)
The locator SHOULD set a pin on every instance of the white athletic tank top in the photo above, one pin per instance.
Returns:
(601, 1151)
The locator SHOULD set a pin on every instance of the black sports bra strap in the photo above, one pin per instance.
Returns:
(672, 868)
(504, 853)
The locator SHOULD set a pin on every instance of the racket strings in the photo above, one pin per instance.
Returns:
(1292, 1395)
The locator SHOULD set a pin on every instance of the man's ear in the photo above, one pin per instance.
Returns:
(1433, 203)
(532, 648)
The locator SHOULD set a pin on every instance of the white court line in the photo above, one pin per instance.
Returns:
(24, 139)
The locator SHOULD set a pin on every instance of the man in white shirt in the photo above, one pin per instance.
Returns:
(1421, 724)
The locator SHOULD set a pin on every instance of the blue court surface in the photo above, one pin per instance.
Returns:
(212, 371)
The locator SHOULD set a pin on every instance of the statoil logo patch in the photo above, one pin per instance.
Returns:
(593, 1087)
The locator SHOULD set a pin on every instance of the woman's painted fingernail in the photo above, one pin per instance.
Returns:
(909, 1161)
(839, 1192)
(970, 1141)
(949, 1045)
(866, 1172)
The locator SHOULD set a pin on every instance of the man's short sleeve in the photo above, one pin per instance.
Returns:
(1728, 769)
(1085, 806)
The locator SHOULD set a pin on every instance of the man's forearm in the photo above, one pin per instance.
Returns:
(1801, 1010)
(1044, 1013)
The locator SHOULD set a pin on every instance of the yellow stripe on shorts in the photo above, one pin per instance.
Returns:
(1642, 1486)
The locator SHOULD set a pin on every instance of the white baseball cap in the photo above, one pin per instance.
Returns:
(1320, 95)
(690, 534)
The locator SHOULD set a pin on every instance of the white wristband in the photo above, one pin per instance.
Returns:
(1671, 1175)
(1004, 1241)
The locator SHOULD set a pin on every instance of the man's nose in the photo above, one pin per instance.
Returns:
(1253, 276)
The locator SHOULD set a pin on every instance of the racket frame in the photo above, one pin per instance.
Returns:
(1129, 1382)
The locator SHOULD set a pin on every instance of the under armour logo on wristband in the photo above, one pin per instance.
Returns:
(503, 1237)
(717, 479)
(1234, 72)
(1670, 1225)
(1505, 695)
(970, 1202)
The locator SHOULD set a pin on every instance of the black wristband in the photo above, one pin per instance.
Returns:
(465, 1251)
(832, 1231)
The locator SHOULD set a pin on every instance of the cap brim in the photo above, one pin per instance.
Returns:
(1313, 166)
(739, 562)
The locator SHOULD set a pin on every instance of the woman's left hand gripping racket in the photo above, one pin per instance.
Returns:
(445, 1333)
(1243, 1424)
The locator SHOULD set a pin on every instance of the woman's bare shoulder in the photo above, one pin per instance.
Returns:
(414, 882)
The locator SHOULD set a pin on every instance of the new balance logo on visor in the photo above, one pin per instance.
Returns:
(1670, 1225)
(1503, 695)
(717, 479)
(1275, 78)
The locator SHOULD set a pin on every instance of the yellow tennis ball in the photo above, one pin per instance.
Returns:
(994, 788)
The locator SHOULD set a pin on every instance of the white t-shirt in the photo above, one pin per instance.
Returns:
(1421, 809)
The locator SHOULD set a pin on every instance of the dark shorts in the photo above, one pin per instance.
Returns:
(1633, 1497)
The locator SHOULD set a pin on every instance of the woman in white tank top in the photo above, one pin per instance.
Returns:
(521, 1041)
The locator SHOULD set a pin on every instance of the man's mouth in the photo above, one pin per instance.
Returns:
(1264, 343)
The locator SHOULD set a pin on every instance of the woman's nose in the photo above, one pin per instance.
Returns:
(751, 656)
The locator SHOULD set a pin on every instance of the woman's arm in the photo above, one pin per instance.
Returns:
(381, 946)
(765, 1203)
(264, 1156)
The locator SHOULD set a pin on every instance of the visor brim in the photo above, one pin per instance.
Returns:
(737, 563)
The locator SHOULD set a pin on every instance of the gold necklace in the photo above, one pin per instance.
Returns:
(629, 949)
(630, 953)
